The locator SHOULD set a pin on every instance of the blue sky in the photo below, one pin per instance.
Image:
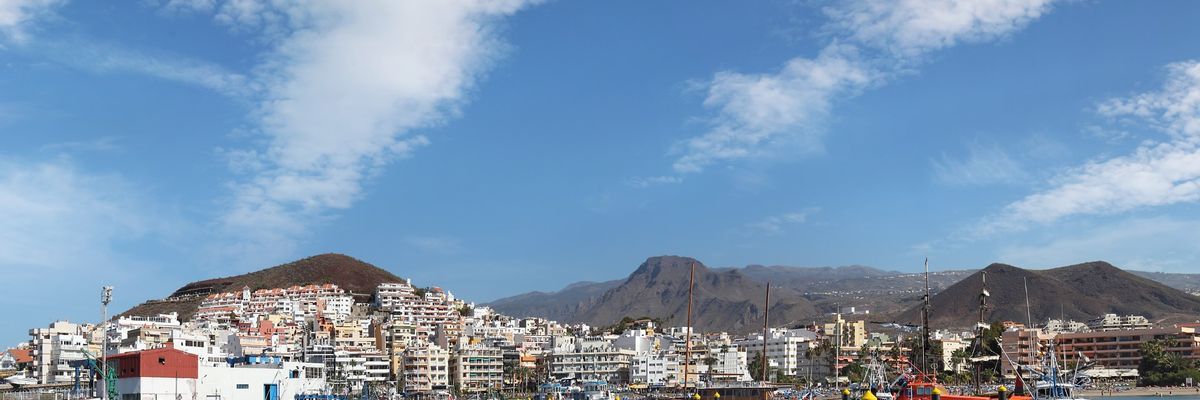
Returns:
(496, 147)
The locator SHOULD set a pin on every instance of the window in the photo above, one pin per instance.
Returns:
(243, 386)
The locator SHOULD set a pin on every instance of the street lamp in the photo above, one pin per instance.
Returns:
(105, 298)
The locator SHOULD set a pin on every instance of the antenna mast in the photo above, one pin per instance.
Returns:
(687, 338)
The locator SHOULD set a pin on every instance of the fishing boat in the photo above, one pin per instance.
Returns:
(922, 386)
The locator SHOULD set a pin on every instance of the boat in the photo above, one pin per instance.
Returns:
(922, 386)
(20, 380)
(875, 379)
(1049, 382)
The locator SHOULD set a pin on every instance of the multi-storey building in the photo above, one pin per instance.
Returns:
(392, 337)
(477, 368)
(298, 302)
(54, 347)
(1121, 349)
(426, 368)
(728, 364)
(591, 359)
(1021, 345)
(853, 334)
(785, 348)
(1114, 322)
(654, 369)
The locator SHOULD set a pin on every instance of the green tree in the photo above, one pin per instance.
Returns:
(756, 367)
(1160, 367)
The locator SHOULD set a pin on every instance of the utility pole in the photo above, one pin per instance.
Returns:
(105, 298)
(687, 337)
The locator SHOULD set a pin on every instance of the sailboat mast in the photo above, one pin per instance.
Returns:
(979, 342)
(925, 342)
(1029, 329)
(687, 340)
(766, 315)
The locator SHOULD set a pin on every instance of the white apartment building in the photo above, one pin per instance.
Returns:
(1060, 326)
(432, 308)
(729, 364)
(592, 359)
(786, 348)
(426, 368)
(1113, 322)
(297, 302)
(54, 347)
(477, 368)
(654, 369)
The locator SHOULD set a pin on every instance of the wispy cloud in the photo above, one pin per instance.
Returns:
(1157, 173)
(872, 42)
(1154, 243)
(16, 16)
(648, 181)
(101, 144)
(345, 89)
(53, 215)
(108, 58)
(985, 164)
(777, 224)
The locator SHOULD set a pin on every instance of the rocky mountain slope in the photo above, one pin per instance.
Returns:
(1078, 292)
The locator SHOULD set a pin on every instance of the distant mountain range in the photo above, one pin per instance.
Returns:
(731, 299)
(1078, 292)
(1084, 291)
(355, 276)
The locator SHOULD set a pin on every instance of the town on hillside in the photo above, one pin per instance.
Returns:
(320, 342)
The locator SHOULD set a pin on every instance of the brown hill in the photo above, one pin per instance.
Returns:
(722, 300)
(562, 305)
(355, 276)
(1077, 292)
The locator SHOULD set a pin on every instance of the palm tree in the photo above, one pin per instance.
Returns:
(818, 352)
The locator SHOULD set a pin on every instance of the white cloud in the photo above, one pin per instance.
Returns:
(1152, 244)
(648, 181)
(909, 28)
(17, 15)
(756, 113)
(344, 89)
(775, 224)
(103, 58)
(53, 215)
(760, 115)
(985, 164)
(1155, 174)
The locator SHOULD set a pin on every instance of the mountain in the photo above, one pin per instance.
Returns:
(723, 299)
(1079, 292)
(805, 276)
(825, 288)
(358, 278)
(1186, 282)
(562, 305)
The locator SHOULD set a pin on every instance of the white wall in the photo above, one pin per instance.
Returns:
(224, 381)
